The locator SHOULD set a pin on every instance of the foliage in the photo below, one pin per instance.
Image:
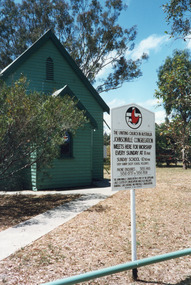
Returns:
(180, 132)
(174, 84)
(88, 29)
(174, 88)
(106, 138)
(161, 140)
(32, 123)
(178, 15)
(166, 148)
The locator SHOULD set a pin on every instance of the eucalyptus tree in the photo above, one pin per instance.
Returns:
(178, 15)
(89, 30)
(174, 88)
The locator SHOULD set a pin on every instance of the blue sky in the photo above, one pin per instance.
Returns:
(151, 38)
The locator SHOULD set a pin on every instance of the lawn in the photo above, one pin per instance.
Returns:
(100, 237)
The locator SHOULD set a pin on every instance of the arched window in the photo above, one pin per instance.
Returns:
(49, 69)
(66, 147)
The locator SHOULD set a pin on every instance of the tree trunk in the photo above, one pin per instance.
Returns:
(184, 160)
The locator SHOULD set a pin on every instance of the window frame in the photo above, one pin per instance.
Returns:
(66, 149)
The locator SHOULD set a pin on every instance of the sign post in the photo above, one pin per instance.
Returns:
(133, 233)
(132, 156)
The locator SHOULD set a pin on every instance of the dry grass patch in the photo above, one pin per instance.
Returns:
(100, 237)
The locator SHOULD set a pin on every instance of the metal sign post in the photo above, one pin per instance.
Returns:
(132, 156)
(133, 233)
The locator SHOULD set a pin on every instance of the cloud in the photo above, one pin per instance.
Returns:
(160, 116)
(116, 103)
(150, 104)
(128, 2)
(105, 70)
(112, 104)
(107, 119)
(152, 43)
(188, 43)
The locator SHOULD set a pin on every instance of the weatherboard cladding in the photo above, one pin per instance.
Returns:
(76, 171)
(34, 69)
(67, 91)
(38, 44)
(87, 163)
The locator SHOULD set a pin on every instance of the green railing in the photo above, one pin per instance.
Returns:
(119, 268)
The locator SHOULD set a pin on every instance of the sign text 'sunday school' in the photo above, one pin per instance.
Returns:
(133, 153)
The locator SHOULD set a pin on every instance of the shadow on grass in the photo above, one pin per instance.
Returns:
(187, 281)
(169, 166)
(15, 209)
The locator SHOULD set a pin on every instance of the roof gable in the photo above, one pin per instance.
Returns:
(67, 91)
(49, 35)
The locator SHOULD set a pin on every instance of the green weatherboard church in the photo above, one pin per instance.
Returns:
(50, 69)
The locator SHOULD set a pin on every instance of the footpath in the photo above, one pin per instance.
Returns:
(17, 237)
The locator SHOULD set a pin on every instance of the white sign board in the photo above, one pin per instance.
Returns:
(132, 148)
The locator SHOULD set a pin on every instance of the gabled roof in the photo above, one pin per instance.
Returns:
(50, 35)
(67, 91)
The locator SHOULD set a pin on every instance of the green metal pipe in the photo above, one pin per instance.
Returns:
(119, 268)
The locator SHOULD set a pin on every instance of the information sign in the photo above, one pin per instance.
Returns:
(132, 148)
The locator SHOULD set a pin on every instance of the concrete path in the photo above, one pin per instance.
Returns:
(25, 233)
